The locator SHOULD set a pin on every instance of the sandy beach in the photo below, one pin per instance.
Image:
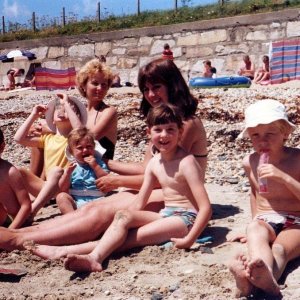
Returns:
(157, 272)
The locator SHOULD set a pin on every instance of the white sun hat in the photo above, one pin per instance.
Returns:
(51, 108)
(264, 112)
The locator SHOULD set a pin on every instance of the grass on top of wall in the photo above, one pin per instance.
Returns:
(48, 28)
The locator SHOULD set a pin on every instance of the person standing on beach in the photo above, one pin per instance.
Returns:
(273, 236)
(167, 53)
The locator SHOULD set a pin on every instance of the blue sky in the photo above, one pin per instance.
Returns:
(21, 10)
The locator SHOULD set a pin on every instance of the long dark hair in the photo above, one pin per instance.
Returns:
(165, 71)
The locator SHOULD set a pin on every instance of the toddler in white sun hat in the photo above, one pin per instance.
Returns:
(273, 235)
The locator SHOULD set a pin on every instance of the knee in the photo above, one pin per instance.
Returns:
(279, 251)
(123, 217)
(55, 172)
(61, 197)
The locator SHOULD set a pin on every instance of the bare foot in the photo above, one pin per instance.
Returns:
(238, 269)
(45, 251)
(82, 263)
(8, 240)
(262, 277)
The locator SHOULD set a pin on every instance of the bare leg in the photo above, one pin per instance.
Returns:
(33, 183)
(55, 252)
(84, 224)
(86, 213)
(266, 76)
(65, 203)
(262, 276)
(260, 267)
(49, 189)
(3, 215)
(112, 239)
(286, 247)
(237, 267)
(37, 161)
(153, 230)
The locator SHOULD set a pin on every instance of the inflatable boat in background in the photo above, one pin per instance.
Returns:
(220, 82)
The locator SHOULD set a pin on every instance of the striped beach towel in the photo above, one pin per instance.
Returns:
(285, 61)
(51, 79)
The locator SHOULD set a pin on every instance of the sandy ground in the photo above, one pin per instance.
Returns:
(153, 272)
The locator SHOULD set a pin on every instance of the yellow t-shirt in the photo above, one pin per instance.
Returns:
(54, 151)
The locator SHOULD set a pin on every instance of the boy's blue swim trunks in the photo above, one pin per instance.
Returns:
(188, 216)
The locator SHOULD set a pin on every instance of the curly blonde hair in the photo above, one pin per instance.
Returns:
(90, 68)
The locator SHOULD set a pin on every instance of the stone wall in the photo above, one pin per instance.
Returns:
(223, 41)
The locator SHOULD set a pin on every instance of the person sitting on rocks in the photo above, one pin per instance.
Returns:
(15, 204)
(209, 71)
(12, 74)
(116, 81)
(273, 236)
(263, 73)
(248, 69)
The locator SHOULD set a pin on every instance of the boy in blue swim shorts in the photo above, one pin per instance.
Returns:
(78, 184)
(273, 236)
(187, 206)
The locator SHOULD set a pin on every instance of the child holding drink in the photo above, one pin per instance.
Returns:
(273, 236)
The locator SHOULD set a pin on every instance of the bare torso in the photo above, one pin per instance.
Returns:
(176, 192)
(103, 123)
(8, 197)
(279, 198)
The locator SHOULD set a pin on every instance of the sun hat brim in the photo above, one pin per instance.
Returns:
(264, 112)
(51, 108)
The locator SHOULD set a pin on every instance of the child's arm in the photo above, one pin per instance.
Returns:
(193, 175)
(73, 117)
(64, 182)
(147, 187)
(112, 182)
(131, 174)
(270, 171)
(17, 185)
(92, 162)
(22, 135)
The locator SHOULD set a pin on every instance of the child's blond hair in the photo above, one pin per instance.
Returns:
(76, 135)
